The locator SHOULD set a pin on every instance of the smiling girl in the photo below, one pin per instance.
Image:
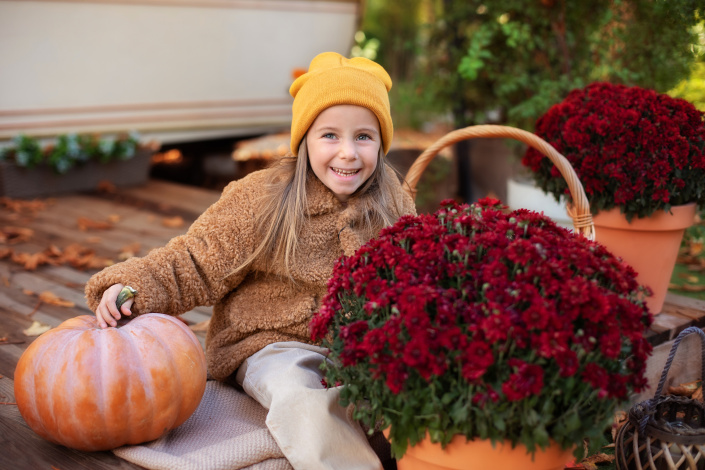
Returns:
(263, 253)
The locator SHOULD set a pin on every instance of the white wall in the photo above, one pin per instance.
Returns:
(175, 69)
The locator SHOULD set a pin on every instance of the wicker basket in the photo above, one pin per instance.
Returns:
(666, 432)
(579, 209)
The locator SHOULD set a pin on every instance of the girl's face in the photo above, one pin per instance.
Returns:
(343, 148)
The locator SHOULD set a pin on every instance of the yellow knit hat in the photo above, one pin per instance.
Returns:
(333, 79)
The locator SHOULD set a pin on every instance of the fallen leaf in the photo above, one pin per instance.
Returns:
(24, 206)
(81, 257)
(692, 288)
(129, 251)
(94, 240)
(54, 251)
(695, 248)
(591, 462)
(85, 224)
(30, 261)
(201, 326)
(698, 394)
(36, 329)
(113, 218)
(52, 299)
(5, 253)
(106, 186)
(619, 420)
(27, 292)
(173, 222)
(684, 390)
(14, 235)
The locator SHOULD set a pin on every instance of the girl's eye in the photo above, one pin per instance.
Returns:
(329, 135)
(364, 137)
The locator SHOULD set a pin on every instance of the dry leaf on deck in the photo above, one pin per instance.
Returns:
(52, 299)
(695, 248)
(591, 462)
(85, 224)
(173, 222)
(619, 420)
(12, 235)
(698, 394)
(692, 288)
(23, 206)
(5, 252)
(129, 251)
(684, 390)
(201, 326)
(30, 261)
(36, 329)
(113, 218)
(105, 186)
(81, 257)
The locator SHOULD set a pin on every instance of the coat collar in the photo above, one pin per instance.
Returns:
(321, 200)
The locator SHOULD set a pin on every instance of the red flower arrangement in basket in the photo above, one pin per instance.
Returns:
(631, 147)
(478, 322)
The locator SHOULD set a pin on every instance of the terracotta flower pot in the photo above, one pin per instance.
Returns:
(481, 455)
(650, 245)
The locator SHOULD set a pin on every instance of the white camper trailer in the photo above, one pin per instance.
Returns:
(172, 70)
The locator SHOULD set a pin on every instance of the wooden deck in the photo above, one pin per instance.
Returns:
(147, 215)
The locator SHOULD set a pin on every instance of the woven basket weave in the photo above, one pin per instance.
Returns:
(666, 432)
(579, 210)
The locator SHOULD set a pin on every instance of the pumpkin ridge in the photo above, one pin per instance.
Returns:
(177, 388)
(134, 432)
(53, 376)
(68, 378)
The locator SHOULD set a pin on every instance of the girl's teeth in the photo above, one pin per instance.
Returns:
(345, 172)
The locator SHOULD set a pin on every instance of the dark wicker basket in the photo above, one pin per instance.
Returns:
(665, 432)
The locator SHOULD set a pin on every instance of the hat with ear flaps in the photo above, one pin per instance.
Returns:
(332, 80)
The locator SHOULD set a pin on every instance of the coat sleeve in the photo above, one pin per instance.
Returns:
(193, 269)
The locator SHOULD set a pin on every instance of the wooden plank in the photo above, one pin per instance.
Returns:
(60, 224)
(186, 198)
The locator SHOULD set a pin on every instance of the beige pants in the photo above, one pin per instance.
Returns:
(311, 428)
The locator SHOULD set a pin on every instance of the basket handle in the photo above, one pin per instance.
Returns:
(578, 210)
(672, 355)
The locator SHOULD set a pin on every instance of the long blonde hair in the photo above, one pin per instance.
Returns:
(284, 203)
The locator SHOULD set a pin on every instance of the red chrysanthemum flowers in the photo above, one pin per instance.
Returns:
(631, 148)
(450, 315)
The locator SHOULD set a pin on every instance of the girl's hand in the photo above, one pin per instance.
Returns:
(107, 312)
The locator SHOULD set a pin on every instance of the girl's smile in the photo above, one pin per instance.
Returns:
(343, 148)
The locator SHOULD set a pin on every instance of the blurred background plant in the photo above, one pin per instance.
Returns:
(457, 63)
(508, 61)
(70, 150)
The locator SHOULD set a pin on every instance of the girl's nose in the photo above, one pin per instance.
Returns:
(348, 150)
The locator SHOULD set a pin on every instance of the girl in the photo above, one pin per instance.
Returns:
(263, 253)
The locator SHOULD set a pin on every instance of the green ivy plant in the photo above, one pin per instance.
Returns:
(70, 150)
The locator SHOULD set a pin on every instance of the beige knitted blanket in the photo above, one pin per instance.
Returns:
(226, 432)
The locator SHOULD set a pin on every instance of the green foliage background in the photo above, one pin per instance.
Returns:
(508, 61)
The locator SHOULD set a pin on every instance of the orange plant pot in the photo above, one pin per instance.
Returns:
(649, 245)
(481, 455)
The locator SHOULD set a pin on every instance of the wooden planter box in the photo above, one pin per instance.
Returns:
(42, 181)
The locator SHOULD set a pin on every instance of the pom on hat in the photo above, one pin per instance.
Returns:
(332, 80)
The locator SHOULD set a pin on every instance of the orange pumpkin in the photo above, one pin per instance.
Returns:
(94, 389)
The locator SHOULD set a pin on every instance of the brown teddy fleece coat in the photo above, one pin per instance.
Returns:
(257, 306)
